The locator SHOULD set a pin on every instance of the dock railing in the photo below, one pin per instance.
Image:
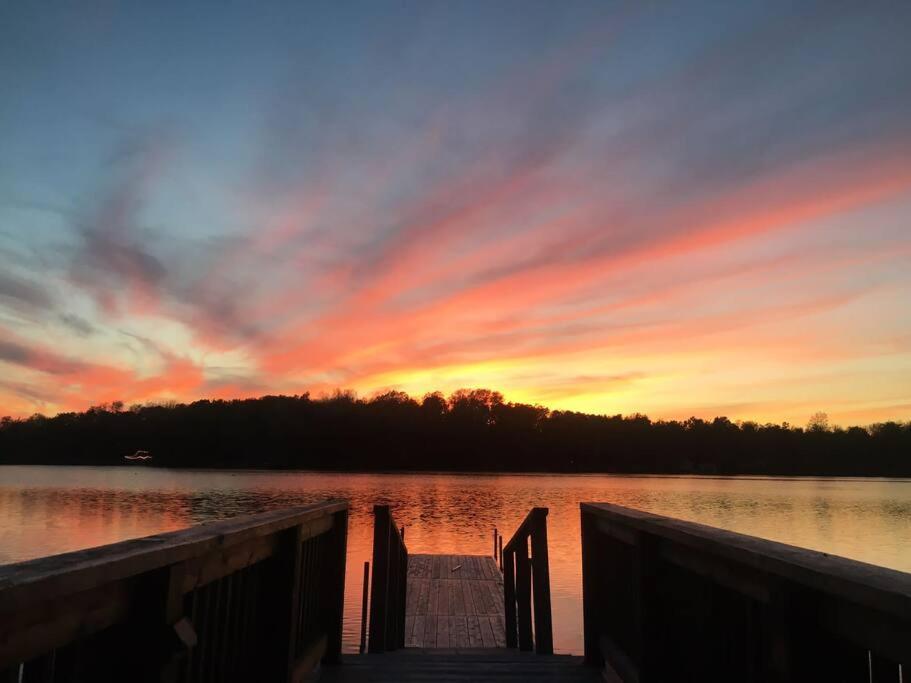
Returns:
(526, 586)
(389, 585)
(258, 597)
(668, 600)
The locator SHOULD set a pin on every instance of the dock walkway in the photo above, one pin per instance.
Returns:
(454, 601)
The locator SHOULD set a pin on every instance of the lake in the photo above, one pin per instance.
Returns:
(48, 510)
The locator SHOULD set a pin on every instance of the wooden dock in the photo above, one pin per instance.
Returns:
(454, 601)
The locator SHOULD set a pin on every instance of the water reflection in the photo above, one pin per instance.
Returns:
(46, 510)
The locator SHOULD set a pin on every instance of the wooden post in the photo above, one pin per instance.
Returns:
(394, 627)
(173, 618)
(335, 610)
(379, 585)
(509, 597)
(523, 596)
(287, 621)
(495, 543)
(592, 598)
(364, 607)
(501, 553)
(544, 637)
(403, 593)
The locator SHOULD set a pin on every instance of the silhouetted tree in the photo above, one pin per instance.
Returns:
(818, 422)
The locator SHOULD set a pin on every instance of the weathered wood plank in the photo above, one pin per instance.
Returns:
(443, 598)
(474, 632)
(434, 602)
(481, 599)
(418, 636)
(430, 631)
(442, 631)
(466, 594)
(498, 624)
(487, 637)
(409, 631)
(458, 632)
(495, 596)
(458, 598)
(424, 598)
(411, 599)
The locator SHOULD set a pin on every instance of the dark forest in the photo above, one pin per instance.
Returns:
(472, 430)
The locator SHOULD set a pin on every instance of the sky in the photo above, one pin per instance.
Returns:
(677, 209)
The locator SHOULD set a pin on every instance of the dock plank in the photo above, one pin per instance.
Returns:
(458, 632)
(487, 638)
(443, 631)
(454, 601)
(458, 598)
(410, 640)
(474, 632)
(430, 631)
(470, 607)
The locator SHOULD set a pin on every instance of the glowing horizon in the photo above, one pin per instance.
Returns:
(615, 208)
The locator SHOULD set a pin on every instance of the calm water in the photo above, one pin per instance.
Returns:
(47, 510)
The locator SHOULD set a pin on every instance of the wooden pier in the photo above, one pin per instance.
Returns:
(463, 619)
(454, 601)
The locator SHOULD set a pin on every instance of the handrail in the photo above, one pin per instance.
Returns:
(388, 588)
(665, 599)
(526, 586)
(260, 594)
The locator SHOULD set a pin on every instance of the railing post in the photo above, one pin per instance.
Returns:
(523, 596)
(394, 627)
(592, 591)
(509, 597)
(335, 613)
(379, 586)
(294, 602)
(544, 637)
(364, 607)
(403, 591)
(389, 585)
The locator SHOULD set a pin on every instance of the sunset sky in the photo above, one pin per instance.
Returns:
(670, 208)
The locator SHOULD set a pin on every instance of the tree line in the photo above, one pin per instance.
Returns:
(471, 430)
